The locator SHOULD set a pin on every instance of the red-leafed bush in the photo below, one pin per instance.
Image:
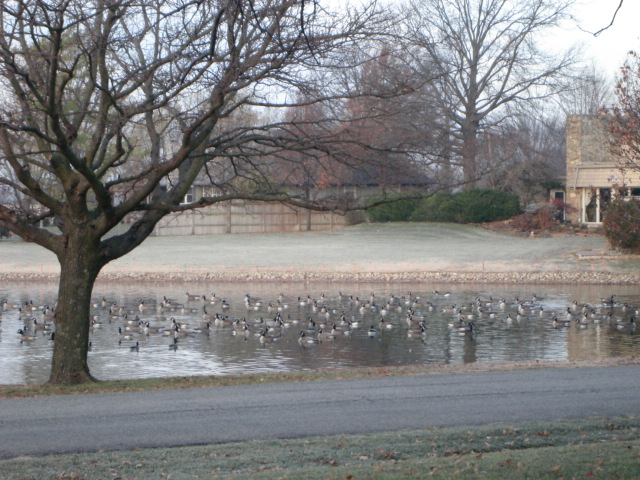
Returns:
(622, 224)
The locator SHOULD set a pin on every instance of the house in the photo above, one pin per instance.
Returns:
(594, 173)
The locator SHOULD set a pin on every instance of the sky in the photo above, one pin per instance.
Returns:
(609, 48)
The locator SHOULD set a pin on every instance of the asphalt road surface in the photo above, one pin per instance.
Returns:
(166, 418)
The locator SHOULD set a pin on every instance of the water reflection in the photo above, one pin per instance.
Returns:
(501, 333)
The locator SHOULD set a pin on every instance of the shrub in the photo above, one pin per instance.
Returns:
(622, 224)
(542, 217)
(396, 210)
(483, 205)
(441, 207)
(470, 206)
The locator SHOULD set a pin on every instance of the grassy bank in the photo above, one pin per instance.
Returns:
(588, 448)
(136, 385)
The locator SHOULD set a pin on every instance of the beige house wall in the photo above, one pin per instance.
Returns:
(592, 169)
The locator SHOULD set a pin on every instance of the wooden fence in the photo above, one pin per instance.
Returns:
(248, 218)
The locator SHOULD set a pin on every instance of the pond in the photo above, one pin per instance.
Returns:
(501, 333)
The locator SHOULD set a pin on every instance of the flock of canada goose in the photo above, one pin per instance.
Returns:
(316, 320)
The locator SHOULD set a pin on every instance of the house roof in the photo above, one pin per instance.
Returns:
(602, 175)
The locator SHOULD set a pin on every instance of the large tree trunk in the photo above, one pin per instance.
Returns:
(80, 266)
(469, 151)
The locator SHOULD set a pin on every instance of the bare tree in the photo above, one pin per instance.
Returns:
(526, 157)
(587, 93)
(486, 57)
(624, 115)
(112, 109)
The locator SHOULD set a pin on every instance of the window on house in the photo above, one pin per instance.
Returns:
(596, 202)
(190, 196)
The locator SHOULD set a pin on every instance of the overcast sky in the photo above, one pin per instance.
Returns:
(610, 47)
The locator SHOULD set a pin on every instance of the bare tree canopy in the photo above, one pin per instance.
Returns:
(487, 61)
(112, 109)
(624, 115)
(587, 92)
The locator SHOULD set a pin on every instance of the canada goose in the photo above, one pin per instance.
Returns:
(252, 306)
(460, 322)
(523, 310)
(102, 304)
(25, 337)
(468, 329)
(311, 325)
(450, 309)
(266, 338)
(542, 313)
(629, 327)
(560, 323)
(95, 324)
(253, 300)
(30, 306)
(581, 322)
(175, 323)
(220, 321)
(130, 321)
(207, 320)
(170, 302)
(419, 333)
(143, 307)
(321, 335)
(7, 305)
(482, 313)
(135, 348)
(124, 336)
(304, 339)
(340, 328)
(191, 298)
(242, 330)
(41, 326)
(289, 322)
(48, 313)
(206, 316)
(204, 327)
(179, 332)
(148, 328)
(372, 332)
(385, 325)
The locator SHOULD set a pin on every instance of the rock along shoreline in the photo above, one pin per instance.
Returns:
(557, 277)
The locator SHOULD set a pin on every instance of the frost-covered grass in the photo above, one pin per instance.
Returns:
(588, 448)
(362, 248)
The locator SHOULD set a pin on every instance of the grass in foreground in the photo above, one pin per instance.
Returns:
(590, 448)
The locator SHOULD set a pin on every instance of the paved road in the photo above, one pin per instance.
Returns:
(82, 423)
